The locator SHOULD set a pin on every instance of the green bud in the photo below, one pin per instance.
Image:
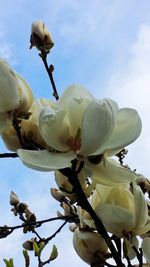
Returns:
(36, 249)
(54, 253)
(9, 263)
(41, 247)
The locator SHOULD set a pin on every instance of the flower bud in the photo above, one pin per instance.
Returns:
(22, 207)
(72, 227)
(28, 245)
(57, 194)
(30, 216)
(65, 187)
(40, 37)
(90, 246)
(69, 210)
(14, 200)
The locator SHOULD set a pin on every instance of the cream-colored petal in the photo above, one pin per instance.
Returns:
(141, 210)
(142, 230)
(5, 121)
(26, 95)
(117, 220)
(127, 129)
(111, 103)
(53, 128)
(10, 139)
(74, 101)
(122, 197)
(74, 92)
(44, 160)
(100, 195)
(146, 248)
(9, 95)
(89, 245)
(109, 172)
(98, 122)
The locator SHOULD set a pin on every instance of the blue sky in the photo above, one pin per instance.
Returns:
(101, 44)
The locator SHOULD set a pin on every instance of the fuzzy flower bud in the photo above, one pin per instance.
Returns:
(57, 194)
(14, 200)
(72, 227)
(40, 37)
(28, 244)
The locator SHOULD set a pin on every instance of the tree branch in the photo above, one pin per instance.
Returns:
(73, 179)
(8, 155)
(49, 70)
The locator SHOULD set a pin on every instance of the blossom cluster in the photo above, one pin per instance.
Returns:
(78, 128)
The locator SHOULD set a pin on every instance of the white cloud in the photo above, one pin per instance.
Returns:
(6, 47)
(132, 89)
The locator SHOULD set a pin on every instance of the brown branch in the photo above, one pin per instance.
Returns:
(8, 155)
(73, 179)
(58, 230)
(37, 223)
(139, 256)
(49, 70)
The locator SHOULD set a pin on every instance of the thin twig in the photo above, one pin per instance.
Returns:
(37, 223)
(8, 155)
(139, 256)
(53, 235)
(43, 55)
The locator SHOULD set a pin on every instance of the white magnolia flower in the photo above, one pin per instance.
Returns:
(15, 95)
(81, 127)
(40, 36)
(120, 210)
(90, 246)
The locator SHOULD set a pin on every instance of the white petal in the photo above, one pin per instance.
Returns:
(111, 103)
(146, 248)
(117, 220)
(141, 210)
(97, 125)
(142, 230)
(109, 172)
(26, 96)
(44, 160)
(127, 129)
(89, 245)
(53, 128)
(74, 101)
(9, 94)
(100, 194)
(10, 139)
(5, 121)
(74, 92)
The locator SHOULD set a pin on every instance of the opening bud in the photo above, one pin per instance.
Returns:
(40, 37)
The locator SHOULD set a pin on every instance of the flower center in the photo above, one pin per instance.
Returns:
(74, 143)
